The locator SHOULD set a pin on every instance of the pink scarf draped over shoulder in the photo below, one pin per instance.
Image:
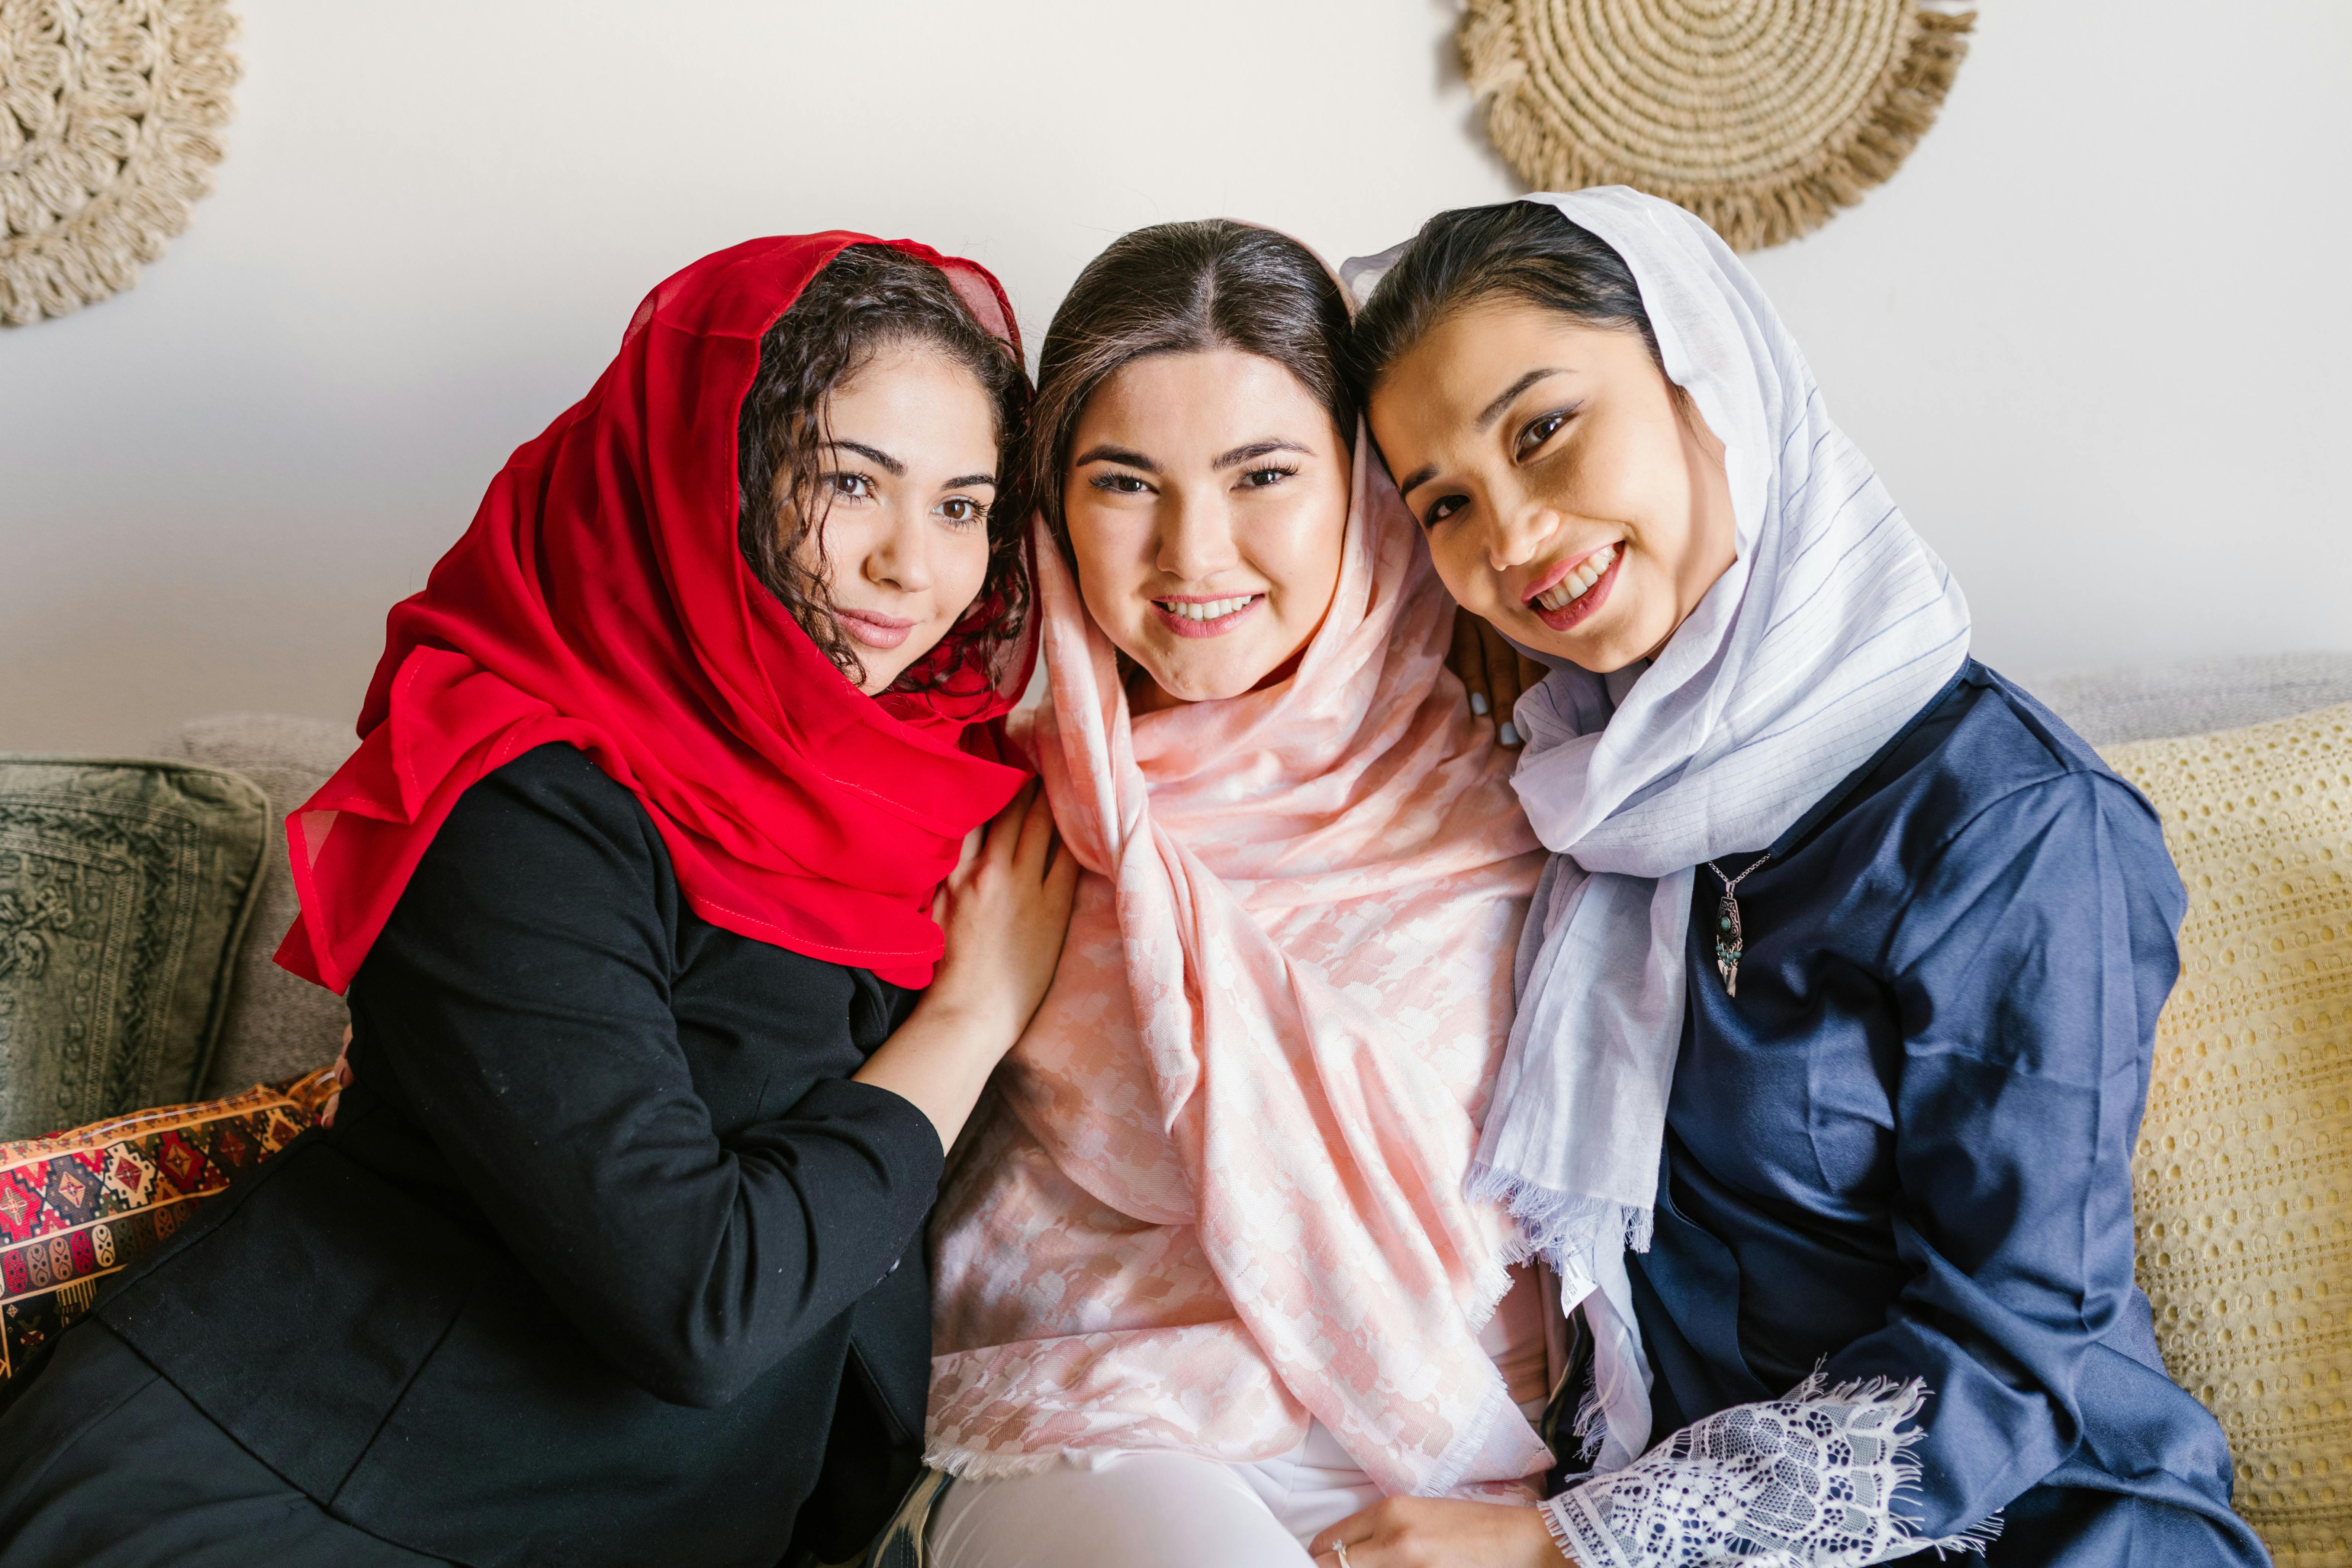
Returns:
(1222, 1190)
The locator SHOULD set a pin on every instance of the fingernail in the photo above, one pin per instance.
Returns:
(1478, 704)
(1509, 734)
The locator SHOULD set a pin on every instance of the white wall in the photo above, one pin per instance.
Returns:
(2095, 334)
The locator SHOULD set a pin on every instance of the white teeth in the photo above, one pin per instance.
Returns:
(1574, 586)
(1206, 610)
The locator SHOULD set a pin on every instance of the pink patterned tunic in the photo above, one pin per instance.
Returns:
(1221, 1192)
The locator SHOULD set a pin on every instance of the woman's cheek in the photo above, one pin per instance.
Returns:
(1113, 604)
(1459, 569)
(971, 574)
(1656, 607)
(1316, 536)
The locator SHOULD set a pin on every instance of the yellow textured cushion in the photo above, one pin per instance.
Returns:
(2242, 1171)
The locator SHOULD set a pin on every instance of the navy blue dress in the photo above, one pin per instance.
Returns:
(1904, 1150)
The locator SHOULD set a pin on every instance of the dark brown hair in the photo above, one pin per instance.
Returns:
(1520, 250)
(865, 299)
(1185, 288)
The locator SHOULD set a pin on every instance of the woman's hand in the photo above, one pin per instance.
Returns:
(1004, 910)
(1493, 670)
(1429, 1532)
(342, 1081)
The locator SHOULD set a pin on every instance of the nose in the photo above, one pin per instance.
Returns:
(1196, 538)
(1517, 532)
(899, 555)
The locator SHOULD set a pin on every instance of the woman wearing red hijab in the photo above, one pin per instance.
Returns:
(613, 1253)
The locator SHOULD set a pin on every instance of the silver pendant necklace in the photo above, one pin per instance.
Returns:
(1728, 944)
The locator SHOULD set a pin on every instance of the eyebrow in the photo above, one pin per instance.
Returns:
(1107, 453)
(898, 470)
(888, 464)
(1487, 416)
(1494, 411)
(1415, 480)
(1248, 452)
(1256, 450)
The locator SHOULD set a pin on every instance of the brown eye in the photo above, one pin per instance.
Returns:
(1119, 484)
(1444, 508)
(1540, 430)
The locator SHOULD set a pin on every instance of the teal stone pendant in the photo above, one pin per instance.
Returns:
(1727, 944)
(1729, 941)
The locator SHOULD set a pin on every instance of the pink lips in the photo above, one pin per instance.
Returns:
(1185, 627)
(873, 630)
(1585, 604)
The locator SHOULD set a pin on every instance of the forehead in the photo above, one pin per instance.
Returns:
(913, 387)
(1201, 397)
(1452, 375)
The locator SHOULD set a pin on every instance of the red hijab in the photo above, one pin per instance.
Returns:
(600, 599)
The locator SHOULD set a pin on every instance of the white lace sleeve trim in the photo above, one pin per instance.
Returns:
(1807, 1481)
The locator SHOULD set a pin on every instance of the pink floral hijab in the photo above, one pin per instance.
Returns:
(1223, 1190)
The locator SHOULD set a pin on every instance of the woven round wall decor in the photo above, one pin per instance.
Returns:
(109, 115)
(1763, 117)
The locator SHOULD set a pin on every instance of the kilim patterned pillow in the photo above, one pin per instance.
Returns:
(2245, 1159)
(76, 1206)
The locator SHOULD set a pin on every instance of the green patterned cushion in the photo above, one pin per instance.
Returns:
(124, 887)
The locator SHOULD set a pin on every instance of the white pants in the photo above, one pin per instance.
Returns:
(1153, 1510)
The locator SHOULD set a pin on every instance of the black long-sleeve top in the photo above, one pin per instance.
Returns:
(605, 1258)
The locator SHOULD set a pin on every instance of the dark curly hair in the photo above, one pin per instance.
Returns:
(869, 298)
(1182, 288)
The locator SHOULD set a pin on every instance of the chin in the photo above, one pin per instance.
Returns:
(1193, 681)
(1201, 687)
(1590, 654)
(1609, 657)
(1608, 663)
(882, 673)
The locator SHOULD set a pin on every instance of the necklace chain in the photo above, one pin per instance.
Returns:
(1729, 939)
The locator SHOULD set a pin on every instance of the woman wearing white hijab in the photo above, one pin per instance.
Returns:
(1837, 1005)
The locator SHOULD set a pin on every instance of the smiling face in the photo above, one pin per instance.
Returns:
(906, 478)
(1206, 495)
(1570, 496)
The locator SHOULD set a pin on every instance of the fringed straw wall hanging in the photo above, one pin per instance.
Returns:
(1763, 117)
(110, 118)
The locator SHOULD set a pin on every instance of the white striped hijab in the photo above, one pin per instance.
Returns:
(1835, 624)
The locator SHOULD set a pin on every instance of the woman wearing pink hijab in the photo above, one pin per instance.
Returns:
(1206, 1278)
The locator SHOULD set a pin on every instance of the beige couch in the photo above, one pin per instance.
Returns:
(2242, 1169)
